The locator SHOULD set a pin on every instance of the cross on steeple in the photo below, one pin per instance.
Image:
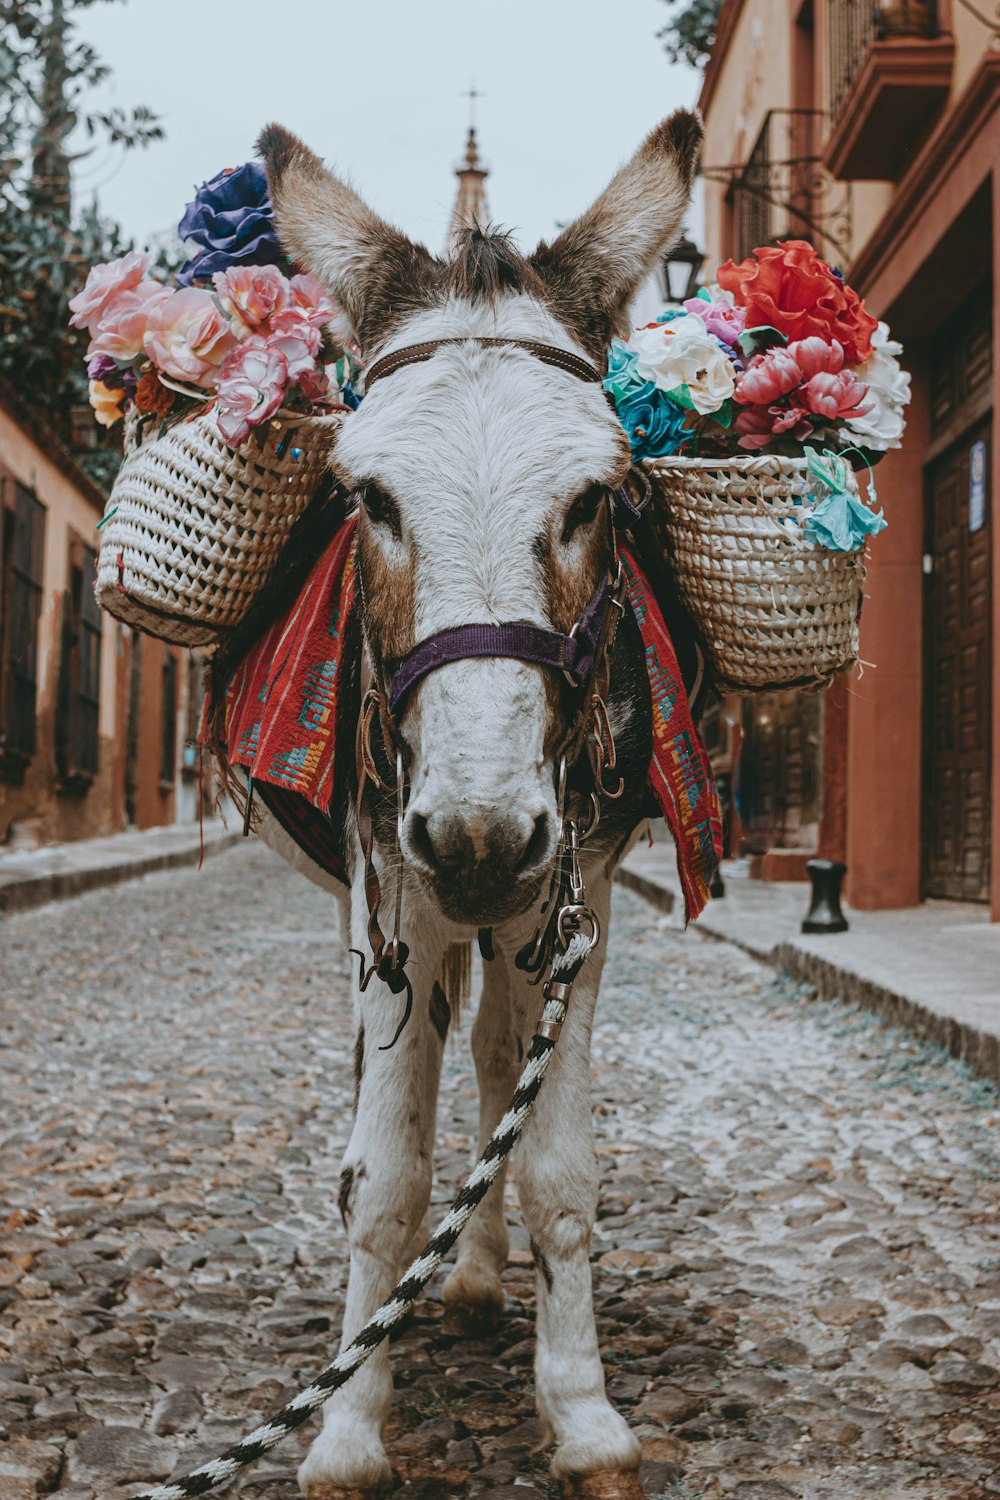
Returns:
(470, 200)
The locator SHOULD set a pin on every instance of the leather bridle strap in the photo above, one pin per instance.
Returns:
(415, 354)
(518, 640)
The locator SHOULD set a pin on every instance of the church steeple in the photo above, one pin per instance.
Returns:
(470, 199)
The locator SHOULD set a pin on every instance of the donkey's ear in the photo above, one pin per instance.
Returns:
(372, 270)
(595, 267)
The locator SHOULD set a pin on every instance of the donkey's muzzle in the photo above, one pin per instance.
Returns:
(485, 863)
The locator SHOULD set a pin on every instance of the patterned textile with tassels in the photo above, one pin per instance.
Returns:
(291, 705)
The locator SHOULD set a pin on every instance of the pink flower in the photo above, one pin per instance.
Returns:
(297, 340)
(188, 337)
(816, 356)
(250, 295)
(251, 388)
(121, 330)
(720, 318)
(106, 282)
(315, 384)
(310, 296)
(767, 377)
(835, 396)
(759, 425)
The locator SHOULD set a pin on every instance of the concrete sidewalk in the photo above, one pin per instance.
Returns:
(33, 877)
(934, 969)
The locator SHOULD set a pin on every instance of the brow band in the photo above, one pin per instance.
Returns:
(415, 354)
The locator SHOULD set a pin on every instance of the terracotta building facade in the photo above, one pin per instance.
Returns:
(872, 128)
(93, 719)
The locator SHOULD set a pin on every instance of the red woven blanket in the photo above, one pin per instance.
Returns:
(282, 717)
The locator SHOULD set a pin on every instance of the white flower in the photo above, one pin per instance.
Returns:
(888, 392)
(681, 353)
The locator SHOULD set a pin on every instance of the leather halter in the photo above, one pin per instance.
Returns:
(416, 354)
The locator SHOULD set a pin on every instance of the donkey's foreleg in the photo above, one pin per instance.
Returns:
(473, 1295)
(384, 1190)
(557, 1183)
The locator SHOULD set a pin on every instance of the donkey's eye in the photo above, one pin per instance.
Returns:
(380, 508)
(584, 509)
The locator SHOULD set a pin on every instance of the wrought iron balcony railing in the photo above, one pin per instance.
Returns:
(783, 190)
(854, 25)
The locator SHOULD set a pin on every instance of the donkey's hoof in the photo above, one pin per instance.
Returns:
(471, 1320)
(607, 1484)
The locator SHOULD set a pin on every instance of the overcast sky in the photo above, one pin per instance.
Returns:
(376, 88)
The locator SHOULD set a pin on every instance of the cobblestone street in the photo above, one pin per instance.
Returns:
(797, 1263)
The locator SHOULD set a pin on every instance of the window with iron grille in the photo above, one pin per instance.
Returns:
(21, 565)
(168, 721)
(78, 710)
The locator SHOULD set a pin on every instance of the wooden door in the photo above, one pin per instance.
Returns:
(958, 666)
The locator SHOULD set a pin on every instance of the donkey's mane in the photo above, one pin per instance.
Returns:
(485, 264)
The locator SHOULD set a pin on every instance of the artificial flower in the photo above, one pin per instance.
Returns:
(721, 318)
(188, 337)
(816, 356)
(686, 362)
(231, 221)
(756, 427)
(151, 395)
(250, 295)
(120, 332)
(767, 377)
(314, 384)
(107, 402)
(622, 376)
(788, 287)
(839, 520)
(310, 296)
(251, 388)
(655, 426)
(297, 340)
(835, 396)
(104, 283)
(881, 427)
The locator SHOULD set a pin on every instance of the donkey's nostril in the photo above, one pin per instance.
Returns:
(477, 844)
(537, 846)
(421, 843)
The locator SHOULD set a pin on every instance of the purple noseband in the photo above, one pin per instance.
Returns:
(572, 654)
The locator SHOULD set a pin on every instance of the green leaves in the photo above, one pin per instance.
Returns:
(756, 340)
(46, 246)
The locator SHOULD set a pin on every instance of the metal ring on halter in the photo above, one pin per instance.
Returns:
(572, 919)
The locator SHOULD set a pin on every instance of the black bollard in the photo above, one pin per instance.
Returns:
(824, 913)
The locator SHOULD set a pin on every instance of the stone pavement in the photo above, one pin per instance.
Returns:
(933, 968)
(31, 877)
(797, 1261)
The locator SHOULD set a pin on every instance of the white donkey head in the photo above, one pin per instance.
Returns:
(482, 477)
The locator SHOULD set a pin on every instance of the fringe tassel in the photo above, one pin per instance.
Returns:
(456, 978)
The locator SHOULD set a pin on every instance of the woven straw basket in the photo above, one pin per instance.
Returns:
(193, 527)
(774, 609)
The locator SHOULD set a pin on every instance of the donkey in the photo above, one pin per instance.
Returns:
(483, 476)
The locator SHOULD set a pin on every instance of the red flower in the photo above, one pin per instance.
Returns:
(788, 287)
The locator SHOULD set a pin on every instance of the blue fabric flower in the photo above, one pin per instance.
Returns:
(622, 376)
(839, 520)
(231, 219)
(655, 426)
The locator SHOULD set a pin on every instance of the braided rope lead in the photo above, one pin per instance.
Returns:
(566, 964)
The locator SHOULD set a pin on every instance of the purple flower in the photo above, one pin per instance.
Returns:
(231, 219)
(110, 373)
